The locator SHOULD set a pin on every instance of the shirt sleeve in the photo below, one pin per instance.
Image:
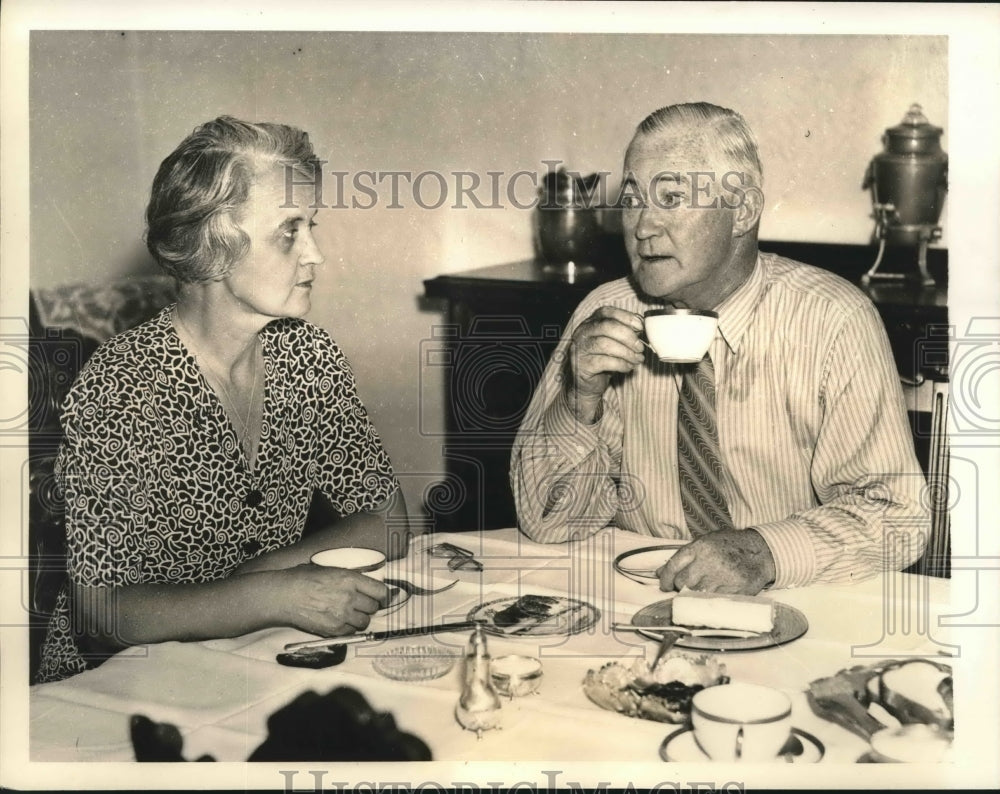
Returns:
(872, 515)
(100, 469)
(353, 469)
(564, 473)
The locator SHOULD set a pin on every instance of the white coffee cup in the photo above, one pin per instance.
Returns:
(741, 722)
(681, 336)
(370, 562)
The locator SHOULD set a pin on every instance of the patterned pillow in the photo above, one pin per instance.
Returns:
(100, 311)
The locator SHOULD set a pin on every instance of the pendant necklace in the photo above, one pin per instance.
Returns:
(246, 442)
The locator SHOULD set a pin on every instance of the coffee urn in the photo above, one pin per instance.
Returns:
(908, 181)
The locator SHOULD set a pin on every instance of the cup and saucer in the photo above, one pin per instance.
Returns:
(741, 723)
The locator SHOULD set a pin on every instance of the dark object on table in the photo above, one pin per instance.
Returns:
(338, 726)
(458, 558)
(525, 608)
(315, 658)
(157, 741)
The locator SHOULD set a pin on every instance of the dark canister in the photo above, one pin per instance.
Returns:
(567, 222)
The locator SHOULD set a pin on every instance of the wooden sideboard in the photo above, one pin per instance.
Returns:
(502, 323)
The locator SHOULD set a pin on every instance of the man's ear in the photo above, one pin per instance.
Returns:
(748, 211)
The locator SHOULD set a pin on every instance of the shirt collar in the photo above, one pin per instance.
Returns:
(737, 311)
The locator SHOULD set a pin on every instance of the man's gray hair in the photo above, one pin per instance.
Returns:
(722, 127)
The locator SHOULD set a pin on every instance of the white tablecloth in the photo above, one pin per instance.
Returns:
(220, 693)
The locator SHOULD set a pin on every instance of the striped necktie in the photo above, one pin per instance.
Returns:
(698, 459)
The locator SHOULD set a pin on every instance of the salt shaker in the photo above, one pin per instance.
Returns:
(478, 708)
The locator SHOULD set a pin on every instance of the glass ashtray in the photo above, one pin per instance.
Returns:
(415, 662)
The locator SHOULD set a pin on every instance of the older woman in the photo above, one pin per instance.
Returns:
(194, 442)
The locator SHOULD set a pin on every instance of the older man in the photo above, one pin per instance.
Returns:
(815, 477)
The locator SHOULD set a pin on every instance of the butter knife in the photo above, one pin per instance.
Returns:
(732, 633)
(376, 636)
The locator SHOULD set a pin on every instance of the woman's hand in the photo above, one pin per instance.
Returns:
(324, 601)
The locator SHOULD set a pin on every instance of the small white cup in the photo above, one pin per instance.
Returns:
(741, 722)
(370, 562)
(680, 336)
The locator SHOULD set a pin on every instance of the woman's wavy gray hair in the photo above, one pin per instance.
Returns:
(193, 218)
(723, 128)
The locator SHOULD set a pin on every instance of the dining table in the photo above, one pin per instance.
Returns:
(220, 693)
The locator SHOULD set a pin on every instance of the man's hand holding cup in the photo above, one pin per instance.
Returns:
(606, 343)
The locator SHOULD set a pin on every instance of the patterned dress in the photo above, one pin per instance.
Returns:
(157, 486)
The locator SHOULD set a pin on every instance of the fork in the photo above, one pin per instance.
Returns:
(413, 589)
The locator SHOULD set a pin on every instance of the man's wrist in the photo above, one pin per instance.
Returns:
(768, 567)
(588, 409)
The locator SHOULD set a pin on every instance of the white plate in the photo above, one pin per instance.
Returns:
(640, 565)
(681, 746)
(789, 624)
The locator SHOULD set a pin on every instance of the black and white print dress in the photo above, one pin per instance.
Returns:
(156, 483)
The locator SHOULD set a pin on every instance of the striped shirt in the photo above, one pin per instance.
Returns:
(817, 450)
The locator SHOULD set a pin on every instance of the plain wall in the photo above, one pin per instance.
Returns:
(106, 107)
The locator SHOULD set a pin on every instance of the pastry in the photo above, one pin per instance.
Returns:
(662, 694)
(526, 608)
(714, 611)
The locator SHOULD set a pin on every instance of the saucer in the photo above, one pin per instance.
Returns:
(640, 565)
(680, 746)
